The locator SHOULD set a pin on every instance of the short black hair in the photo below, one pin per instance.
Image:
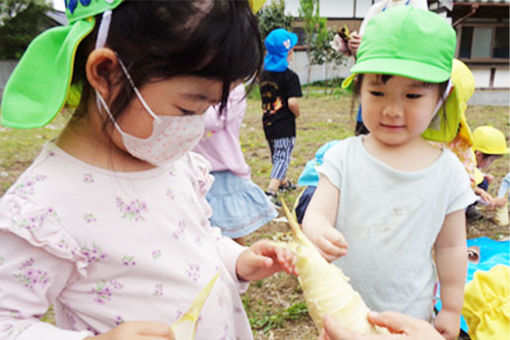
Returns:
(216, 39)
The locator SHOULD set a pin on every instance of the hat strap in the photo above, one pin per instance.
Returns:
(104, 27)
(445, 95)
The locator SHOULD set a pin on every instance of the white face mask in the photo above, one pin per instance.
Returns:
(172, 136)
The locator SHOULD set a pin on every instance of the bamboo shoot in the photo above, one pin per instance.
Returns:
(325, 287)
(185, 327)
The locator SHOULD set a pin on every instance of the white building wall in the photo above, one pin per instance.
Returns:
(6, 68)
(299, 64)
(502, 77)
(362, 7)
(482, 76)
(334, 8)
(292, 7)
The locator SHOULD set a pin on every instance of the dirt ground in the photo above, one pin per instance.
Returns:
(275, 305)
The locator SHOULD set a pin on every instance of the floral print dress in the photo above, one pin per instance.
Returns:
(106, 247)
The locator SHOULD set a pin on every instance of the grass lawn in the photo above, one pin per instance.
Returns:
(275, 305)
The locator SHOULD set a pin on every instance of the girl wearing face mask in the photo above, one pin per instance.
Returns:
(110, 222)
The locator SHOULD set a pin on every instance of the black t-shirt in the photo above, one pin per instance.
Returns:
(275, 90)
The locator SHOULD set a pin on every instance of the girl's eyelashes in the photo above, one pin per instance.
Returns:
(377, 93)
(187, 112)
(413, 95)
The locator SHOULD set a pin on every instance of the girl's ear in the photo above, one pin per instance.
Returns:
(102, 70)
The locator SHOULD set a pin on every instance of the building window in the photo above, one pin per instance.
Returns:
(484, 42)
(501, 45)
(300, 32)
(466, 42)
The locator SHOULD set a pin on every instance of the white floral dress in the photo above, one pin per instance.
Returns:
(106, 247)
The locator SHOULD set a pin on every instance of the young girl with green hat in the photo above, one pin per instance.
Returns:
(110, 223)
(388, 201)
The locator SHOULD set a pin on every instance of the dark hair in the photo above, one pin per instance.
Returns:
(385, 77)
(216, 39)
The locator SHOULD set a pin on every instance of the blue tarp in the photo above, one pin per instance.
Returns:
(492, 253)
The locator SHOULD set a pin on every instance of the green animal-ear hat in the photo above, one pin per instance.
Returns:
(38, 88)
(40, 84)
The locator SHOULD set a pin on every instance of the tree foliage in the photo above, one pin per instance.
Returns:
(20, 22)
(273, 16)
(312, 24)
(321, 51)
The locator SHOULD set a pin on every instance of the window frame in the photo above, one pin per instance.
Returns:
(482, 60)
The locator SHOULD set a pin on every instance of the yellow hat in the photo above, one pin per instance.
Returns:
(489, 140)
(455, 123)
(256, 5)
(478, 176)
(487, 304)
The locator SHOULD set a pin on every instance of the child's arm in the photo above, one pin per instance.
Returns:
(31, 279)
(320, 218)
(451, 262)
(293, 106)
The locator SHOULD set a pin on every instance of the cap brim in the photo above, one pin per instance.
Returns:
(38, 87)
(401, 67)
(293, 39)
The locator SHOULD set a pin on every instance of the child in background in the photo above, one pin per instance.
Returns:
(501, 202)
(239, 206)
(110, 222)
(309, 179)
(489, 144)
(387, 200)
(279, 91)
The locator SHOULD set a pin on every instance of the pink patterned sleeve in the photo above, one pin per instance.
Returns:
(228, 250)
(37, 258)
(31, 280)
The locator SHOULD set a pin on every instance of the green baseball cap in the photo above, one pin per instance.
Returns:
(409, 42)
(40, 84)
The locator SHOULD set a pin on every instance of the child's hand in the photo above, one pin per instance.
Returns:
(484, 195)
(330, 243)
(137, 331)
(448, 324)
(499, 202)
(263, 259)
(353, 43)
(401, 327)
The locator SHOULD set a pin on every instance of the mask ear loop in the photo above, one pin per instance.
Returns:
(102, 35)
(102, 104)
(138, 94)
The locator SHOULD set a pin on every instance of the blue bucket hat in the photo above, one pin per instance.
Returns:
(278, 44)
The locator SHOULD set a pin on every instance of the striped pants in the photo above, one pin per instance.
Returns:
(281, 149)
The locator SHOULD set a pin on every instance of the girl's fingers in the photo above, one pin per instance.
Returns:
(335, 332)
(261, 261)
(337, 239)
(157, 337)
(393, 321)
(332, 250)
(147, 328)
